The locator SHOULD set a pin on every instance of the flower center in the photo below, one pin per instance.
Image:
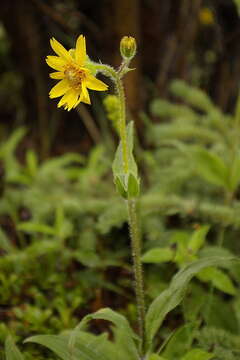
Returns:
(75, 76)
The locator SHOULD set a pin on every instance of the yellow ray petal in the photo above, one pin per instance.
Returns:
(72, 53)
(69, 100)
(81, 53)
(59, 89)
(63, 100)
(57, 75)
(60, 50)
(93, 83)
(78, 102)
(85, 95)
(73, 99)
(55, 62)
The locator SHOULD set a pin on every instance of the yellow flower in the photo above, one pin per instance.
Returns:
(128, 47)
(75, 78)
(206, 16)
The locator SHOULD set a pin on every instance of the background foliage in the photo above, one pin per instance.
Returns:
(64, 248)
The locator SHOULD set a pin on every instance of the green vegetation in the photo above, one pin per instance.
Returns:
(125, 246)
(65, 252)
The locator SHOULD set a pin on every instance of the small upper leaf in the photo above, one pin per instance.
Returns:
(118, 166)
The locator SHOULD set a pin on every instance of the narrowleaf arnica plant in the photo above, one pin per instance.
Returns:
(77, 73)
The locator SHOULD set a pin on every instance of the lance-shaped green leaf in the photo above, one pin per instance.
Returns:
(173, 295)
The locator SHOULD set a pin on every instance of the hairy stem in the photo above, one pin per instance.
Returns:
(132, 218)
(131, 203)
(137, 264)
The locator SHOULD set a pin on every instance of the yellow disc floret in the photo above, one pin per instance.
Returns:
(75, 75)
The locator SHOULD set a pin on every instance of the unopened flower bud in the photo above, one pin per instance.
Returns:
(128, 47)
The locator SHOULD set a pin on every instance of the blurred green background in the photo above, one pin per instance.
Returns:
(193, 40)
(64, 246)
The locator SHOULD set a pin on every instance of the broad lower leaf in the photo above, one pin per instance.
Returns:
(124, 333)
(59, 345)
(197, 354)
(11, 350)
(174, 294)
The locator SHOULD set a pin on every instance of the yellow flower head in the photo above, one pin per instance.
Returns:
(128, 47)
(73, 73)
(206, 16)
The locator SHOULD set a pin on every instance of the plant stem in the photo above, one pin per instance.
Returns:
(137, 264)
(116, 78)
(122, 123)
(131, 202)
(132, 218)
